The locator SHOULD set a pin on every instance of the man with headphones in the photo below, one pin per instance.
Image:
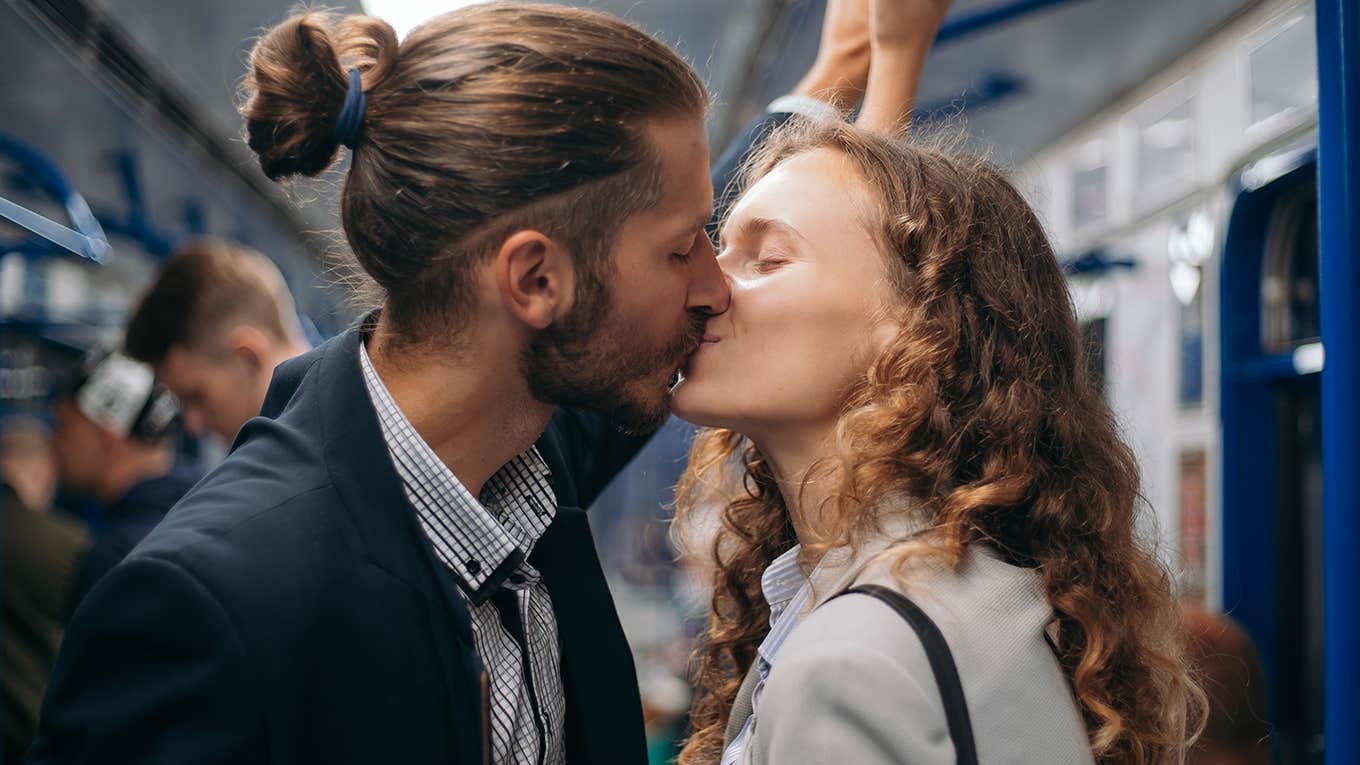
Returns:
(114, 429)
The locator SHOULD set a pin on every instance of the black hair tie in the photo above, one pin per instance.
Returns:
(351, 118)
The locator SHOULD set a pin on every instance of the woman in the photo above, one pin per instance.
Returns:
(900, 377)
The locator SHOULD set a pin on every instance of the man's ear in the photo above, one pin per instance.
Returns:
(535, 278)
(249, 345)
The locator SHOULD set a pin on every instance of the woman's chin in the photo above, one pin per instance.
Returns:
(692, 403)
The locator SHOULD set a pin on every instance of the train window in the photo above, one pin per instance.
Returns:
(1192, 492)
(1190, 383)
(12, 292)
(1189, 245)
(1090, 189)
(1289, 275)
(25, 373)
(1166, 145)
(1282, 70)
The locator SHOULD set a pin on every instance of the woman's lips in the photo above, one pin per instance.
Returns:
(689, 357)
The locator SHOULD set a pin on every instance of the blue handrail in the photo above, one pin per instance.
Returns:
(981, 21)
(994, 87)
(1096, 262)
(1338, 47)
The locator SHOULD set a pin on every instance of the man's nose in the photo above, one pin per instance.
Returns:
(709, 291)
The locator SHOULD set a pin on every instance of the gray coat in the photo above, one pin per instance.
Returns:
(852, 686)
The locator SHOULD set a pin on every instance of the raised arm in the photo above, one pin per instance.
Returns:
(900, 35)
(841, 70)
(833, 84)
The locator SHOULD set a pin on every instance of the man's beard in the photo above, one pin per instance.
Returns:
(588, 362)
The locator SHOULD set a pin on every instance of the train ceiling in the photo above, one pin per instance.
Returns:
(1021, 84)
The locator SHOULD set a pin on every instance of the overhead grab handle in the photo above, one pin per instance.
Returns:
(87, 239)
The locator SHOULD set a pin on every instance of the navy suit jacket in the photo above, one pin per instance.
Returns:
(289, 609)
(128, 521)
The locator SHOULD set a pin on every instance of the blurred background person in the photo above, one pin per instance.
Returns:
(27, 465)
(113, 440)
(40, 556)
(1229, 670)
(214, 324)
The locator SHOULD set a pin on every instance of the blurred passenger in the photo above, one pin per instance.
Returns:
(112, 442)
(40, 553)
(27, 463)
(1229, 668)
(900, 377)
(393, 564)
(214, 325)
(665, 702)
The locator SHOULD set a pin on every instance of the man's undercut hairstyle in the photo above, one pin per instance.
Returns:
(483, 121)
(206, 288)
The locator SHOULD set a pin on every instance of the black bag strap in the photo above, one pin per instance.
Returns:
(941, 664)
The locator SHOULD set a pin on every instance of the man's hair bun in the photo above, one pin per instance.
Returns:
(296, 85)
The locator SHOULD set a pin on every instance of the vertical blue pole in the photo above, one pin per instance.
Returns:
(1338, 45)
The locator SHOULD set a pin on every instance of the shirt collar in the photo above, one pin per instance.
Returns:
(787, 592)
(901, 519)
(483, 541)
(792, 596)
(781, 581)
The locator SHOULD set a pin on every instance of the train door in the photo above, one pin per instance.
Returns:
(1272, 473)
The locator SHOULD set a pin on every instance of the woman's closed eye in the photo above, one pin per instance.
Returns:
(768, 264)
(770, 257)
(760, 262)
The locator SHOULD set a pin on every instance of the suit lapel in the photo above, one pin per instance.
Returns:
(363, 474)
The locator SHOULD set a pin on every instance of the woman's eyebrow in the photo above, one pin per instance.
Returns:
(760, 227)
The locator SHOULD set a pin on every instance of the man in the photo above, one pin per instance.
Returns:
(112, 442)
(393, 564)
(215, 323)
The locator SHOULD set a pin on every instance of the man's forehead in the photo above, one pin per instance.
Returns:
(678, 137)
(690, 199)
(179, 363)
(682, 146)
(683, 208)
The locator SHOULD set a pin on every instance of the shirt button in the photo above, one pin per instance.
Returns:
(473, 567)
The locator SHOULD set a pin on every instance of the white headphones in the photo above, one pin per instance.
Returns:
(122, 395)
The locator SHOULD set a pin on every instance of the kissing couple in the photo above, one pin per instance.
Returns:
(927, 549)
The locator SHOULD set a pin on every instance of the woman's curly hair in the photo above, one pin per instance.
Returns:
(982, 408)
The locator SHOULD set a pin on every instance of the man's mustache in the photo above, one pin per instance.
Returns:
(693, 333)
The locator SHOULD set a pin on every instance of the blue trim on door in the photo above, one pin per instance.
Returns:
(1338, 47)
(1250, 482)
